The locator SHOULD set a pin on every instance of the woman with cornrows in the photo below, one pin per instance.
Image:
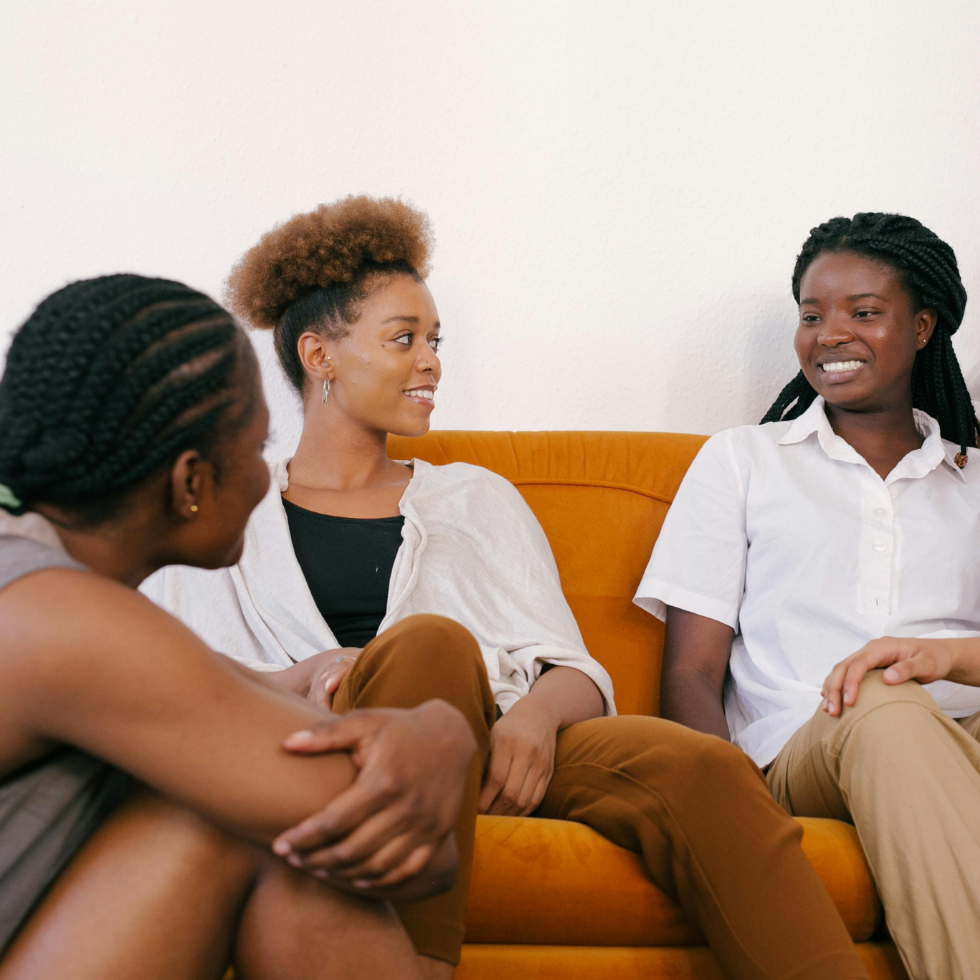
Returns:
(853, 511)
(348, 542)
(143, 777)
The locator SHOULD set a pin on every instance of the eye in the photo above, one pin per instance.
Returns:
(436, 344)
(864, 314)
(405, 340)
(809, 317)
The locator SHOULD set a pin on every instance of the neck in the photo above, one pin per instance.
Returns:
(113, 550)
(337, 454)
(882, 436)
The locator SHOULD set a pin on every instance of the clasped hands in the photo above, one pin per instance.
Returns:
(389, 834)
(396, 820)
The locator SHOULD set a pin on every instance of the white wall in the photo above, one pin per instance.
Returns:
(618, 189)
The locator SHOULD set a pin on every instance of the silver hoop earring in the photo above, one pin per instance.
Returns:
(326, 392)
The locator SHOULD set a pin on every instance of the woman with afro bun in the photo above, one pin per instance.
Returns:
(348, 542)
(851, 512)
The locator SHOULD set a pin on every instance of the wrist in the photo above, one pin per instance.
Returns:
(965, 661)
(541, 710)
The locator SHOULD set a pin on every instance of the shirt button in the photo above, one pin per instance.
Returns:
(880, 512)
(879, 545)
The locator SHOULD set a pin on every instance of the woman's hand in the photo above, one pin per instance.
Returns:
(907, 658)
(327, 673)
(522, 760)
(394, 819)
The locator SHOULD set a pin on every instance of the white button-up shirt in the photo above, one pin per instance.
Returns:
(785, 533)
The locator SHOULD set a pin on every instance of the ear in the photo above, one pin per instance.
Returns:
(925, 326)
(191, 481)
(316, 356)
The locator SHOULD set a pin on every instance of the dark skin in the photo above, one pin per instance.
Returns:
(88, 662)
(854, 310)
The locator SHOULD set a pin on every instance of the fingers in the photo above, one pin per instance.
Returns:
(343, 732)
(832, 688)
(359, 801)
(853, 676)
(373, 849)
(518, 796)
(497, 772)
(906, 670)
(326, 685)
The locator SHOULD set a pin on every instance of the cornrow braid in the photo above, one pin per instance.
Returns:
(930, 273)
(146, 368)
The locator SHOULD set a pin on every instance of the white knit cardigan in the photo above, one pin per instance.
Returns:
(471, 550)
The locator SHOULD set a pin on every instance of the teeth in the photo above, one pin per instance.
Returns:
(420, 393)
(835, 367)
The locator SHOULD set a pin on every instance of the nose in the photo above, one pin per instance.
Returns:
(835, 330)
(428, 363)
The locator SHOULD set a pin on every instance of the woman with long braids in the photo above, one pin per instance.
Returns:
(851, 512)
(143, 777)
(347, 542)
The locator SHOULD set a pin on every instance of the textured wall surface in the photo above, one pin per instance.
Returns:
(618, 189)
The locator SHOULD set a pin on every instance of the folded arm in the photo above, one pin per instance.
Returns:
(90, 663)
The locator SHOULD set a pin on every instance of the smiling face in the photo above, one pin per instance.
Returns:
(859, 332)
(385, 371)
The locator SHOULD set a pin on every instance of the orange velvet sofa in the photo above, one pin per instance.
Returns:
(554, 899)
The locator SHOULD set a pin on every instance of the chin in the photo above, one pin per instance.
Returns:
(412, 428)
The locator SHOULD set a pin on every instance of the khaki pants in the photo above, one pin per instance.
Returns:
(909, 779)
(692, 805)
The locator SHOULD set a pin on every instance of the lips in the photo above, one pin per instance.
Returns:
(423, 395)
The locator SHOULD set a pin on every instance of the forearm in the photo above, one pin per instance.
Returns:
(691, 698)
(567, 694)
(966, 661)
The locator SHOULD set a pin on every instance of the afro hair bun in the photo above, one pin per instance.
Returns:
(325, 247)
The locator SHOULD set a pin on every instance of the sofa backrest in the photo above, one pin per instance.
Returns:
(601, 498)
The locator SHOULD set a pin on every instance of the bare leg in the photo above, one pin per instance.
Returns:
(159, 894)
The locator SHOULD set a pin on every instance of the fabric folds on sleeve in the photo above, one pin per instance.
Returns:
(698, 562)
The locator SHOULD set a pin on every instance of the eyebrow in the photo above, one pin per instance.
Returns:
(409, 319)
(850, 299)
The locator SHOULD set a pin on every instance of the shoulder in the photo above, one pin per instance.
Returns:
(473, 498)
(468, 479)
(745, 444)
(65, 623)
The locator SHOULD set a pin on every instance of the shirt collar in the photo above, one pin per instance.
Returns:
(933, 451)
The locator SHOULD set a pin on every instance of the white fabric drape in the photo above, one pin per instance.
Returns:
(471, 550)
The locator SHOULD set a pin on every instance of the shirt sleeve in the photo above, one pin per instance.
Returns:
(698, 562)
(523, 616)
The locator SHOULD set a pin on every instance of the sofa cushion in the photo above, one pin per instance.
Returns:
(493, 962)
(557, 882)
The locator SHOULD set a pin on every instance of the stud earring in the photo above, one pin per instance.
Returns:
(193, 508)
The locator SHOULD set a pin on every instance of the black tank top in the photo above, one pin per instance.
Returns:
(347, 564)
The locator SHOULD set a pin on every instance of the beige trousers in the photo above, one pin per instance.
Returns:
(908, 778)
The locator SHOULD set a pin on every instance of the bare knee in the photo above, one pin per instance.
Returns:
(188, 842)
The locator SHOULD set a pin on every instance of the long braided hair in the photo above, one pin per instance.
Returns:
(108, 380)
(929, 272)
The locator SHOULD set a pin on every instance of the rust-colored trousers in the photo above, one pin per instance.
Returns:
(420, 658)
(695, 807)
